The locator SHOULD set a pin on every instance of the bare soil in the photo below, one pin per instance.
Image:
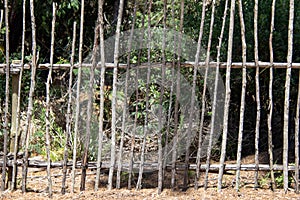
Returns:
(37, 188)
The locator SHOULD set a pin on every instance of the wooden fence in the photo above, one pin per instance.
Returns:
(92, 149)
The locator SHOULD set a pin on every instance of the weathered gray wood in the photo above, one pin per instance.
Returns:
(32, 163)
(227, 94)
(114, 96)
(195, 70)
(257, 90)
(243, 94)
(214, 104)
(15, 113)
(68, 131)
(6, 109)
(124, 116)
(176, 119)
(14, 171)
(102, 77)
(49, 79)
(132, 145)
(90, 104)
(30, 98)
(234, 65)
(77, 109)
(287, 97)
(145, 126)
(160, 117)
(209, 148)
(297, 139)
(270, 114)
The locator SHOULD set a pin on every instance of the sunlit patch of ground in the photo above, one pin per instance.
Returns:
(37, 187)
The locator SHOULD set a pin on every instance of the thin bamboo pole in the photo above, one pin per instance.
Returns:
(102, 77)
(6, 109)
(244, 84)
(227, 94)
(77, 110)
(270, 114)
(287, 97)
(114, 97)
(68, 116)
(30, 99)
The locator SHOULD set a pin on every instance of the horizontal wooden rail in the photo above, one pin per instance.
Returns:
(32, 163)
(237, 65)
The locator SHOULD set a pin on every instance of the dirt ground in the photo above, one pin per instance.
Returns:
(37, 184)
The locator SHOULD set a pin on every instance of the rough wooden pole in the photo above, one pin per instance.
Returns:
(16, 141)
(77, 109)
(162, 91)
(68, 116)
(297, 140)
(244, 83)
(257, 91)
(49, 80)
(14, 118)
(227, 95)
(14, 104)
(124, 114)
(136, 85)
(30, 99)
(270, 114)
(195, 71)
(102, 77)
(85, 156)
(214, 104)
(145, 125)
(176, 118)
(6, 109)
(287, 97)
(204, 92)
(171, 91)
(114, 97)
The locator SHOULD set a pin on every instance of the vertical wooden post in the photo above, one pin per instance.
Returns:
(14, 104)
